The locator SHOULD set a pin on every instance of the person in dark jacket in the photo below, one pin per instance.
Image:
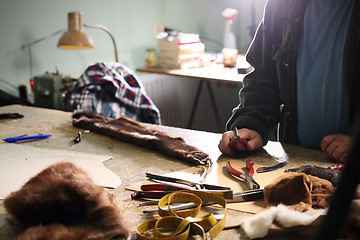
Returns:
(306, 78)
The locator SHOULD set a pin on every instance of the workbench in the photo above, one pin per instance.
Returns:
(131, 162)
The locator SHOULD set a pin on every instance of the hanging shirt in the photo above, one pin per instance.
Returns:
(322, 99)
(112, 89)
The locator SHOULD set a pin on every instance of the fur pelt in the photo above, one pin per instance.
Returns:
(62, 202)
(298, 188)
(331, 175)
(283, 222)
(131, 131)
(258, 226)
(296, 203)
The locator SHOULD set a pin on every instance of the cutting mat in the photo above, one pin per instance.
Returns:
(18, 163)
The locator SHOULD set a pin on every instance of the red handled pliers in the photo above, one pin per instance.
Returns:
(236, 139)
(247, 177)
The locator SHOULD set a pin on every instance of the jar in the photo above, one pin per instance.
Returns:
(150, 59)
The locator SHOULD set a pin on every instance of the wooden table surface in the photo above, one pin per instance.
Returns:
(129, 161)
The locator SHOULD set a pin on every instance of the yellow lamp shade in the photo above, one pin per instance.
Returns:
(75, 37)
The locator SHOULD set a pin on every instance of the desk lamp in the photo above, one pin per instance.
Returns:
(76, 38)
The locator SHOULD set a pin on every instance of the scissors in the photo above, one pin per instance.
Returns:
(225, 191)
(170, 184)
(247, 177)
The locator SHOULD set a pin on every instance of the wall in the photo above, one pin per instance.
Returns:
(131, 21)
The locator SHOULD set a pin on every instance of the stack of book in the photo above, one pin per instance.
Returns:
(181, 51)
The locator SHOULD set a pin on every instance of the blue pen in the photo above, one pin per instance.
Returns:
(26, 138)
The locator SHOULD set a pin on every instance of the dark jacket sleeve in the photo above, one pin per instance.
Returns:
(259, 107)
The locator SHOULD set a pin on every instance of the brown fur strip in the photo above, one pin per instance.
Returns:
(131, 131)
(62, 202)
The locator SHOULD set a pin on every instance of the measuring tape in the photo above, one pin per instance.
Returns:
(184, 220)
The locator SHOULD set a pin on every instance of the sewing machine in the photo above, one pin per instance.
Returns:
(52, 90)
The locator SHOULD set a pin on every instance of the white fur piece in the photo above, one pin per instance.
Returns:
(258, 225)
(287, 217)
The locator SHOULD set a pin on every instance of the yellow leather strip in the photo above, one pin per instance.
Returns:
(184, 220)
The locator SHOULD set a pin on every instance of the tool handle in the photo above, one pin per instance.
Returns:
(233, 171)
(160, 187)
(231, 144)
(250, 167)
(149, 194)
(243, 141)
(337, 166)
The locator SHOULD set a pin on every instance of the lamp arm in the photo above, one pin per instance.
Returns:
(109, 32)
(43, 38)
(28, 45)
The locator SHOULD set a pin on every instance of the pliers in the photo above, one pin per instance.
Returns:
(247, 177)
(236, 139)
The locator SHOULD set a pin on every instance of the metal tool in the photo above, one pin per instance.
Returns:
(244, 196)
(78, 138)
(205, 172)
(247, 196)
(296, 169)
(11, 115)
(225, 191)
(247, 177)
(271, 168)
(237, 138)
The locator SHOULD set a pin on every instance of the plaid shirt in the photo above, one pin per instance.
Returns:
(112, 89)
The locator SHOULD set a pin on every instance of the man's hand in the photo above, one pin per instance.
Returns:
(254, 141)
(337, 146)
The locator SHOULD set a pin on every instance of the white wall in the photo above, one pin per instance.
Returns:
(131, 21)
